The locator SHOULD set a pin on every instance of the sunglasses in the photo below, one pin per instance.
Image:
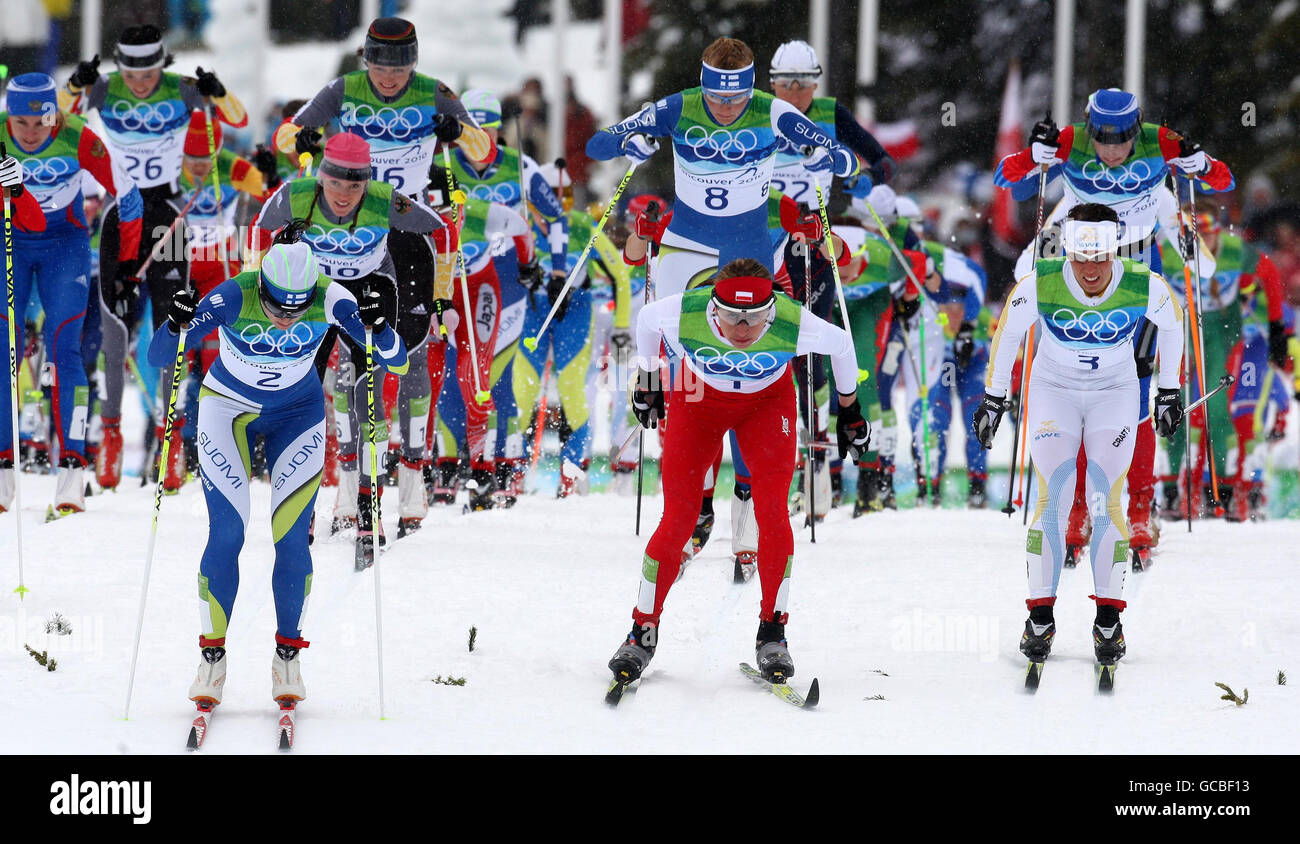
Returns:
(715, 98)
(797, 80)
(743, 316)
(280, 310)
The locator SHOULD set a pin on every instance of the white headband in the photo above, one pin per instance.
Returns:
(1090, 240)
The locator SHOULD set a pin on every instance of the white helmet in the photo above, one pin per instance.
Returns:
(905, 206)
(552, 174)
(885, 202)
(794, 58)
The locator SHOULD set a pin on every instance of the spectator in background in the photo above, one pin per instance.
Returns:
(24, 31)
(185, 19)
(1286, 257)
(526, 113)
(579, 125)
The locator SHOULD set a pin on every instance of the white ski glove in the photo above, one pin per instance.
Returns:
(11, 172)
(1046, 154)
(639, 148)
(1196, 164)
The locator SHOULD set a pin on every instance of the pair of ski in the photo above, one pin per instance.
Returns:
(619, 689)
(1105, 677)
(285, 724)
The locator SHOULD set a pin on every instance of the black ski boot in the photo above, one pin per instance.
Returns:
(1040, 630)
(484, 483)
(392, 459)
(365, 545)
(936, 492)
(868, 499)
(632, 657)
(976, 497)
(1108, 636)
(1171, 507)
(444, 485)
(771, 652)
(703, 525)
(837, 487)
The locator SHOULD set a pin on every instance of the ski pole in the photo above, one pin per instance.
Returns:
(1025, 369)
(539, 425)
(13, 371)
(164, 448)
(835, 264)
(531, 342)
(810, 502)
(923, 378)
(1200, 342)
(1015, 437)
(156, 252)
(652, 214)
(376, 517)
(471, 331)
(1224, 382)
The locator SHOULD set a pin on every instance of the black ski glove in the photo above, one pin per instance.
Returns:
(852, 432)
(370, 306)
(554, 290)
(530, 275)
(126, 293)
(181, 310)
(648, 398)
(905, 309)
(964, 344)
(209, 85)
(264, 160)
(308, 141)
(987, 418)
(1169, 412)
(1044, 132)
(86, 74)
(447, 128)
(1277, 343)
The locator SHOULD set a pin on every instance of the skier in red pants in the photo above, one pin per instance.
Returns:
(731, 344)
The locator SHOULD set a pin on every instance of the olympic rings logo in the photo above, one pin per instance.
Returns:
(735, 362)
(471, 249)
(151, 117)
(342, 241)
(1094, 325)
(206, 204)
(47, 171)
(731, 146)
(383, 122)
(502, 193)
(263, 342)
(1125, 178)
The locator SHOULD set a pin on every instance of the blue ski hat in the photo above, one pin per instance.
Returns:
(289, 275)
(32, 94)
(1113, 116)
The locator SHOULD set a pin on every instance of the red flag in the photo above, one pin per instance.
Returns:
(900, 139)
(1011, 139)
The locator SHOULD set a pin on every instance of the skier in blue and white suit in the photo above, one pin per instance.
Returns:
(725, 137)
(271, 322)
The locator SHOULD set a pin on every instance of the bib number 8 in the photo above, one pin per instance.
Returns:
(715, 199)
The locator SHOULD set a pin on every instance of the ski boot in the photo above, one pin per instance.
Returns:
(1144, 532)
(771, 652)
(746, 566)
(286, 670)
(1171, 506)
(624, 480)
(703, 527)
(447, 473)
(1040, 630)
(509, 482)
(976, 496)
(868, 498)
(632, 657)
(70, 489)
(365, 545)
(392, 459)
(1257, 502)
(174, 474)
(108, 463)
(8, 482)
(1078, 531)
(412, 506)
(191, 450)
(1107, 645)
(837, 487)
(936, 492)
(345, 502)
(210, 679)
(573, 479)
(483, 483)
(887, 499)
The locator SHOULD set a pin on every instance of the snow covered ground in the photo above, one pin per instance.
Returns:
(910, 620)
